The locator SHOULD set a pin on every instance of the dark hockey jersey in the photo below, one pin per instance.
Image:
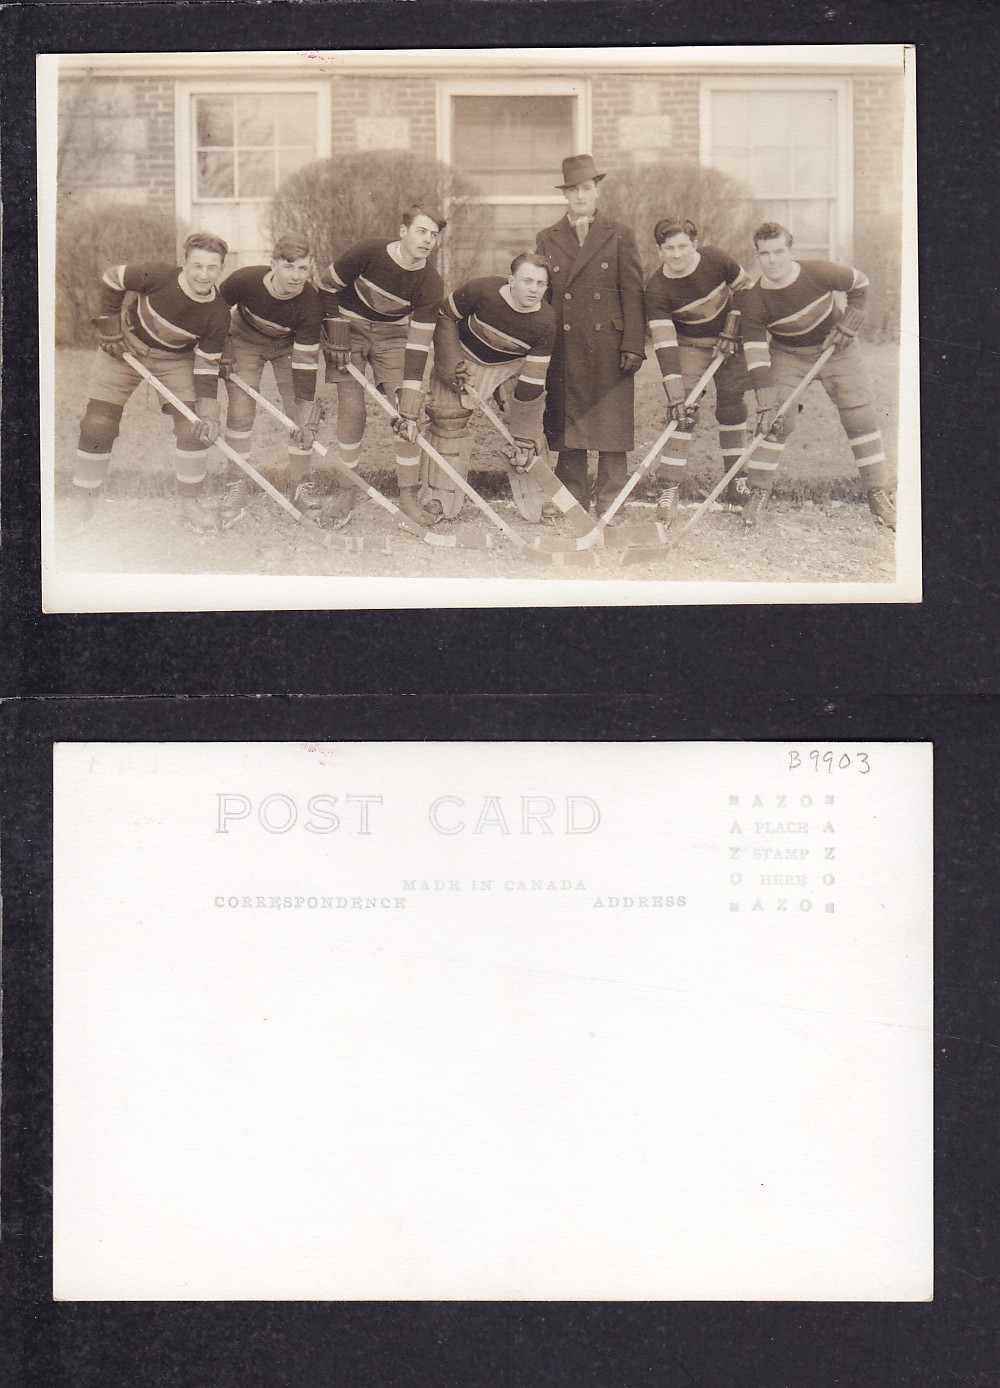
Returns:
(366, 283)
(168, 318)
(492, 331)
(692, 306)
(296, 321)
(799, 314)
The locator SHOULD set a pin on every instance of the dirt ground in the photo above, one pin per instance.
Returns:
(817, 527)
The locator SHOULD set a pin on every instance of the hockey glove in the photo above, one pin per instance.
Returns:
(404, 426)
(522, 455)
(207, 428)
(629, 363)
(310, 418)
(842, 334)
(728, 342)
(111, 337)
(674, 389)
(227, 362)
(336, 346)
(769, 422)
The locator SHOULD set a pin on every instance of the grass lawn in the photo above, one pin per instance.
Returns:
(817, 528)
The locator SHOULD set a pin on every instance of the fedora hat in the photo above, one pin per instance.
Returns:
(577, 169)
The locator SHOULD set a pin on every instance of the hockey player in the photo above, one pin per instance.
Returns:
(380, 303)
(174, 321)
(492, 332)
(793, 305)
(688, 299)
(276, 318)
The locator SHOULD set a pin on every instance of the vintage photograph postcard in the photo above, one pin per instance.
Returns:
(492, 1021)
(478, 328)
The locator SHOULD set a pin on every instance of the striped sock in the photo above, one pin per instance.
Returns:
(762, 465)
(672, 466)
(869, 455)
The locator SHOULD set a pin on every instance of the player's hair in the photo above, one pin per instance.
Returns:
(671, 226)
(205, 241)
(291, 247)
(768, 231)
(529, 258)
(415, 210)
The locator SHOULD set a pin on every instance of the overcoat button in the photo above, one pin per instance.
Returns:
(567, 296)
(604, 264)
(565, 327)
(597, 327)
(597, 296)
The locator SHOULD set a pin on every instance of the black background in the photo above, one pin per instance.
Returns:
(822, 673)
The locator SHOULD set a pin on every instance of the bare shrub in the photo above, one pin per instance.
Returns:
(335, 202)
(720, 207)
(89, 239)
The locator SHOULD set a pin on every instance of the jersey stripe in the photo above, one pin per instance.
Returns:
(803, 320)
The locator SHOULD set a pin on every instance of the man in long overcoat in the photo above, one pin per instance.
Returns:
(597, 295)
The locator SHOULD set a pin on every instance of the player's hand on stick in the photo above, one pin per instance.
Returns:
(629, 363)
(842, 334)
(310, 418)
(208, 427)
(727, 344)
(227, 362)
(674, 388)
(769, 422)
(111, 336)
(463, 374)
(522, 454)
(404, 426)
(336, 346)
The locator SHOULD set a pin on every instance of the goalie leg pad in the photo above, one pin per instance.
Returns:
(449, 432)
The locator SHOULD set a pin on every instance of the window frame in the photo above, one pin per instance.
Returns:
(842, 229)
(578, 88)
(185, 158)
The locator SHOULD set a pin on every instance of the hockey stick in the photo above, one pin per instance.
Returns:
(452, 541)
(445, 466)
(638, 555)
(548, 483)
(654, 531)
(347, 544)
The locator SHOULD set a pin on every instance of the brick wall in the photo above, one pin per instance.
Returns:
(644, 119)
(369, 113)
(878, 187)
(117, 140)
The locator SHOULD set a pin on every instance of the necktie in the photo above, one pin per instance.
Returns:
(582, 227)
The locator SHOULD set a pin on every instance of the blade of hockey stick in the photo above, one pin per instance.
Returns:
(597, 534)
(544, 477)
(441, 461)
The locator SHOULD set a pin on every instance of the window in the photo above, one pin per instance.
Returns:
(788, 141)
(508, 140)
(247, 145)
(236, 144)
